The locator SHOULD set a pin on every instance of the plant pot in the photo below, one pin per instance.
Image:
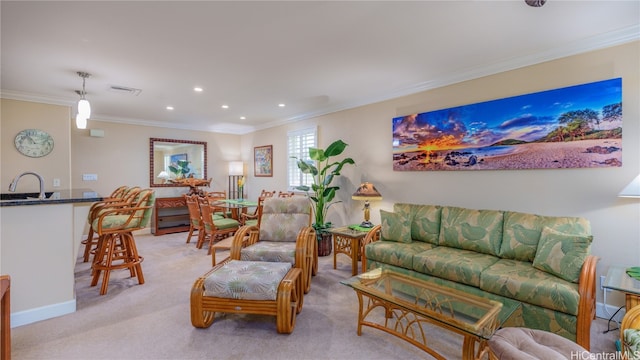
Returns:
(324, 243)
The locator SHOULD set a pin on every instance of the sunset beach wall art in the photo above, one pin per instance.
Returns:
(572, 127)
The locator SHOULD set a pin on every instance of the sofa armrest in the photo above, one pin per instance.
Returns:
(372, 235)
(587, 305)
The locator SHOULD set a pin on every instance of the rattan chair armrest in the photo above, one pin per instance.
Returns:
(372, 235)
(245, 236)
(587, 303)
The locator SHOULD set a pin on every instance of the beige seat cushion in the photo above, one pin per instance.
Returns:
(528, 344)
(247, 280)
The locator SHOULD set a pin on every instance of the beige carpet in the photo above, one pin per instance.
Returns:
(151, 321)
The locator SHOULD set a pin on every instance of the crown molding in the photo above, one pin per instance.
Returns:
(598, 42)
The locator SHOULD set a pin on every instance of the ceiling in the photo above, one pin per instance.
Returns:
(316, 57)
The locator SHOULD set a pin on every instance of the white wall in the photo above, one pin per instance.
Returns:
(590, 193)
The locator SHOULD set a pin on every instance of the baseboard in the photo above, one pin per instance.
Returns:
(42, 313)
(607, 311)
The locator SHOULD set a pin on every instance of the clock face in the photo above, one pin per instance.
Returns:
(34, 143)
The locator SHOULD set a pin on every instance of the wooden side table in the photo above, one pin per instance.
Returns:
(349, 242)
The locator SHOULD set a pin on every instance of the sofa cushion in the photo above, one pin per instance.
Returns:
(537, 317)
(457, 265)
(425, 221)
(562, 254)
(522, 232)
(395, 227)
(469, 229)
(394, 253)
(521, 281)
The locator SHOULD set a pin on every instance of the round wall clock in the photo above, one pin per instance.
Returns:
(34, 143)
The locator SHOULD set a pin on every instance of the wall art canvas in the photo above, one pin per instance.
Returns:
(573, 127)
(263, 160)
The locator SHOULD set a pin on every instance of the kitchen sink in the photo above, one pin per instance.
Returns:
(24, 196)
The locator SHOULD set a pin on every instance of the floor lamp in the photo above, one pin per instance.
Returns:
(236, 170)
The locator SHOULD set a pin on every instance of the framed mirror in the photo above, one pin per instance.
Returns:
(171, 160)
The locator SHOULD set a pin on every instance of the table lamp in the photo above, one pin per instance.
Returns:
(366, 192)
(164, 176)
(632, 190)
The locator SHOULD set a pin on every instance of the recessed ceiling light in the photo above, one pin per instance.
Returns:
(225, 106)
(169, 107)
(197, 89)
(281, 105)
(242, 118)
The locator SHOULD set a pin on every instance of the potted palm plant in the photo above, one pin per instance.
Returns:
(180, 169)
(321, 192)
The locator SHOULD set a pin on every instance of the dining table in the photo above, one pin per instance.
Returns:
(235, 206)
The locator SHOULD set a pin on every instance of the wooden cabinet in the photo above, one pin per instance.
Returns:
(170, 215)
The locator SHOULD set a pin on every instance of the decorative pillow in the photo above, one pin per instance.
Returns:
(562, 254)
(395, 227)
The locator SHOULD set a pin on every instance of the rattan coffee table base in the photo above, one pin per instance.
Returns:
(408, 325)
(287, 304)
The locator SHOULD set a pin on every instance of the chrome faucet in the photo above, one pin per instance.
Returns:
(14, 183)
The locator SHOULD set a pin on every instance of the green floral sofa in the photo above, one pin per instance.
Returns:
(541, 261)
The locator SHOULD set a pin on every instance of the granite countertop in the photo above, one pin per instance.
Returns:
(56, 197)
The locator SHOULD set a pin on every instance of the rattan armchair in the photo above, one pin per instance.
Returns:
(285, 235)
(630, 334)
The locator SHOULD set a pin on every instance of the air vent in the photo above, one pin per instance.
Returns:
(125, 90)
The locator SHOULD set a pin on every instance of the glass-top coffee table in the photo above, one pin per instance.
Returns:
(404, 304)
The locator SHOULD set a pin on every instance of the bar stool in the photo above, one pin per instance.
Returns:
(116, 248)
(120, 197)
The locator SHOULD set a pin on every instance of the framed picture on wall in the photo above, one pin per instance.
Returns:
(263, 160)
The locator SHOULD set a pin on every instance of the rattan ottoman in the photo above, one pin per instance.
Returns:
(248, 287)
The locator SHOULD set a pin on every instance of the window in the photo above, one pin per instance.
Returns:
(298, 144)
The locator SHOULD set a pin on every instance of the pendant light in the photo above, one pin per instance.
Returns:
(84, 108)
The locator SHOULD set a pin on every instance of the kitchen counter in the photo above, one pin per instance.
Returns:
(39, 244)
(56, 197)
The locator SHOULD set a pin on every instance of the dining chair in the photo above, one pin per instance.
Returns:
(216, 196)
(214, 228)
(122, 196)
(253, 219)
(282, 194)
(116, 248)
(195, 216)
(284, 235)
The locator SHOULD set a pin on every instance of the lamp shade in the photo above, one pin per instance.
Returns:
(366, 191)
(84, 108)
(81, 121)
(163, 175)
(236, 168)
(632, 190)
